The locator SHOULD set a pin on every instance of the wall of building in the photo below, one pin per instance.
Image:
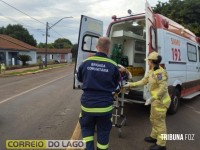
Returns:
(56, 57)
(10, 57)
(2, 57)
(33, 55)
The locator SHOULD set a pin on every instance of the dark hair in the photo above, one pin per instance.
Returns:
(157, 62)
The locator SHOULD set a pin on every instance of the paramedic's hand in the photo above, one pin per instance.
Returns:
(148, 101)
(121, 68)
(129, 85)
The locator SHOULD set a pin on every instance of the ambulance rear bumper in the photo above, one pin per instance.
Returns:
(134, 96)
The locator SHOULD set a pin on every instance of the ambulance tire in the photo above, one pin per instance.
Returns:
(175, 101)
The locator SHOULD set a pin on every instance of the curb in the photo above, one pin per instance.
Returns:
(28, 73)
(42, 70)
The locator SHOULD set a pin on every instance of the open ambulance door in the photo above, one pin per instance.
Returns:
(89, 32)
(151, 40)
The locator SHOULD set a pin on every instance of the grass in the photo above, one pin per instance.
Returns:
(15, 73)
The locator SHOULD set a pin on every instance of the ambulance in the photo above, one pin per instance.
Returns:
(133, 38)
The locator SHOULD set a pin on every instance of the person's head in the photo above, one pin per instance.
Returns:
(154, 60)
(103, 45)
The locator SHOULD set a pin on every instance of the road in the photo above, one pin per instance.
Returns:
(44, 106)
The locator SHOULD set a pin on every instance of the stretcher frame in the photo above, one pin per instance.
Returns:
(119, 120)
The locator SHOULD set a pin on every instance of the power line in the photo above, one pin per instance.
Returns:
(22, 12)
(29, 16)
(22, 24)
(38, 30)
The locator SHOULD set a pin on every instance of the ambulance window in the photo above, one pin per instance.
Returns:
(140, 46)
(153, 38)
(192, 52)
(89, 43)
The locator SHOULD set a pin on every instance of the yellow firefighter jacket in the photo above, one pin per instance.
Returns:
(158, 87)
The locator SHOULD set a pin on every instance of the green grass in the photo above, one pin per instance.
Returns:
(33, 70)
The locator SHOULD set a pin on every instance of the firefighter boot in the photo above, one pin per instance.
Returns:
(150, 139)
(157, 147)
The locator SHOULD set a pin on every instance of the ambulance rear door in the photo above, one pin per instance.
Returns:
(89, 32)
(151, 43)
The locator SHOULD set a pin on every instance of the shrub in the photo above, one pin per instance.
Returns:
(24, 59)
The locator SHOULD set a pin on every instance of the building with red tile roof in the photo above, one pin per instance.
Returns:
(10, 48)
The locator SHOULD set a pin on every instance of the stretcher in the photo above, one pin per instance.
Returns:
(119, 120)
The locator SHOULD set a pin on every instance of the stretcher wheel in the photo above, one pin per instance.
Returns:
(119, 132)
(125, 123)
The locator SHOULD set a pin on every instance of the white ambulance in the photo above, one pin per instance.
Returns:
(140, 34)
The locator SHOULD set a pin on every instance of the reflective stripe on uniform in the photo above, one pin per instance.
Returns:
(97, 58)
(97, 110)
(154, 129)
(160, 109)
(161, 136)
(88, 139)
(102, 146)
(154, 95)
(166, 100)
(133, 84)
(80, 115)
(111, 119)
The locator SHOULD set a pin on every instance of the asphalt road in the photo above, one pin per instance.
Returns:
(44, 106)
(39, 106)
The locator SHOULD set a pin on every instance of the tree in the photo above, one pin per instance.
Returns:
(24, 59)
(185, 12)
(43, 45)
(19, 32)
(62, 43)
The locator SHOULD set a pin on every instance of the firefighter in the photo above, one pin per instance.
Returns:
(159, 100)
(100, 77)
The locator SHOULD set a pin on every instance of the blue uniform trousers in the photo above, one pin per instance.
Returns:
(103, 124)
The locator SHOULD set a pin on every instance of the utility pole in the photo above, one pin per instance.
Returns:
(47, 34)
(47, 29)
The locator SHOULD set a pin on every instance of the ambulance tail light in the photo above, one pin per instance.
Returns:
(165, 23)
(163, 66)
(198, 39)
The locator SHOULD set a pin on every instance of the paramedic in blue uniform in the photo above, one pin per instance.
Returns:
(100, 76)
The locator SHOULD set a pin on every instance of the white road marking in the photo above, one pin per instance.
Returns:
(10, 98)
(192, 108)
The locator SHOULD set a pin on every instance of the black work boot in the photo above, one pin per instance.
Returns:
(157, 147)
(150, 139)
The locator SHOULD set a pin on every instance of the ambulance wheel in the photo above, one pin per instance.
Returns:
(175, 101)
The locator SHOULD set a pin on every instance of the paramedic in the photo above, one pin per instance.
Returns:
(159, 100)
(100, 77)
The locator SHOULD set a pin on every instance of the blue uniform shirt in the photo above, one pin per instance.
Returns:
(100, 77)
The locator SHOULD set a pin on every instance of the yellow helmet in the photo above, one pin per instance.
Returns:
(152, 56)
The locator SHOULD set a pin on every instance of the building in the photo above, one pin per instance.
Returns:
(56, 55)
(10, 48)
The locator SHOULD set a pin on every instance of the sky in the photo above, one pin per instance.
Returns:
(53, 10)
